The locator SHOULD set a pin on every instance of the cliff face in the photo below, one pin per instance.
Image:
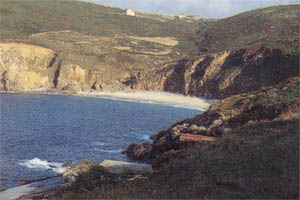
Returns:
(247, 118)
(26, 67)
(219, 75)
(222, 74)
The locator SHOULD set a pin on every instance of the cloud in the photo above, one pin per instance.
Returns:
(203, 8)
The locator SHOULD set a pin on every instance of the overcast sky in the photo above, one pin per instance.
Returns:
(202, 8)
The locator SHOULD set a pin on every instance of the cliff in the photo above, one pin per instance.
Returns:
(220, 75)
(26, 67)
(248, 118)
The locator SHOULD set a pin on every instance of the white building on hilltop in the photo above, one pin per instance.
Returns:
(130, 12)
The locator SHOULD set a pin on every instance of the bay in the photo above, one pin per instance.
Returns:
(39, 131)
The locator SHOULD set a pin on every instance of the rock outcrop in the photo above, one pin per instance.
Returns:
(275, 104)
(26, 67)
(223, 74)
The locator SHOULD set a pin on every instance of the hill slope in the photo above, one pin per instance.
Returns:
(273, 27)
(103, 41)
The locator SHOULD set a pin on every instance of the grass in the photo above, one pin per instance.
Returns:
(98, 38)
(232, 169)
(257, 159)
(273, 27)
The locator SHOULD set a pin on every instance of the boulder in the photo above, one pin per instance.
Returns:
(139, 151)
(120, 167)
(74, 171)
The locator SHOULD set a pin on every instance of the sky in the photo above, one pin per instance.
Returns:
(202, 8)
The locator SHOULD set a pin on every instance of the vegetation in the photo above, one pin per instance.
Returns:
(257, 159)
(273, 27)
(258, 154)
(102, 40)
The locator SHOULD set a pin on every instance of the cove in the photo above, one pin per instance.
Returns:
(42, 130)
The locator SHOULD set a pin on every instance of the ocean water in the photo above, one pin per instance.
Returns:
(40, 132)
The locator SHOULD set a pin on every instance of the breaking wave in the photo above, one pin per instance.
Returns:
(43, 164)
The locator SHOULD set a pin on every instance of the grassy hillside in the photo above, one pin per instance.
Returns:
(22, 18)
(104, 41)
(273, 27)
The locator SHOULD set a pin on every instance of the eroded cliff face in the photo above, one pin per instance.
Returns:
(26, 67)
(243, 118)
(222, 74)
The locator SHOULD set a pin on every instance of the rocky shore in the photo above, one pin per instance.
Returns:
(245, 146)
(226, 118)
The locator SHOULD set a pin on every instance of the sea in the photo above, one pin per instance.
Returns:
(41, 132)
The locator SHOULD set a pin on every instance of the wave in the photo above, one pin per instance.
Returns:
(145, 137)
(170, 99)
(43, 164)
(100, 144)
(109, 151)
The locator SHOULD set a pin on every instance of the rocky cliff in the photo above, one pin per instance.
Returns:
(223, 74)
(247, 118)
(26, 67)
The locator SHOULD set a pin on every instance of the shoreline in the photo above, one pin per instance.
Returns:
(139, 96)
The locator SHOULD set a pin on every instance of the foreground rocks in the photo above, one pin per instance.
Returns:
(279, 103)
(108, 170)
(31, 190)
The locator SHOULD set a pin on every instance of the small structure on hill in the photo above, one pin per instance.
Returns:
(130, 12)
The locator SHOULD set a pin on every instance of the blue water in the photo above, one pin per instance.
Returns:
(60, 129)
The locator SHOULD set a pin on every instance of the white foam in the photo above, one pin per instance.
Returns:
(165, 98)
(145, 137)
(100, 144)
(109, 151)
(43, 164)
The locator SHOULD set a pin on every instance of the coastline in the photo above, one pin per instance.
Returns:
(140, 96)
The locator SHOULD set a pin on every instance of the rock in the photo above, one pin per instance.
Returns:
(196, 129)
(74, 171)
(26, 67)
(139, 151)
(223, 74)
(72, 77)
(28, 191)
(120, 167)
(195, 138)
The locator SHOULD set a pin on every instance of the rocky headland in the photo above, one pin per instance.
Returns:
(244, 146)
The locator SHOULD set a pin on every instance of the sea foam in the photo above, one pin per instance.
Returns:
(43, 164)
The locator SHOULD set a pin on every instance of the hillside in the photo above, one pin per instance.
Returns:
(220, 75)
(102, 41)
(274, 27)
(238, 54)
(246, 146)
